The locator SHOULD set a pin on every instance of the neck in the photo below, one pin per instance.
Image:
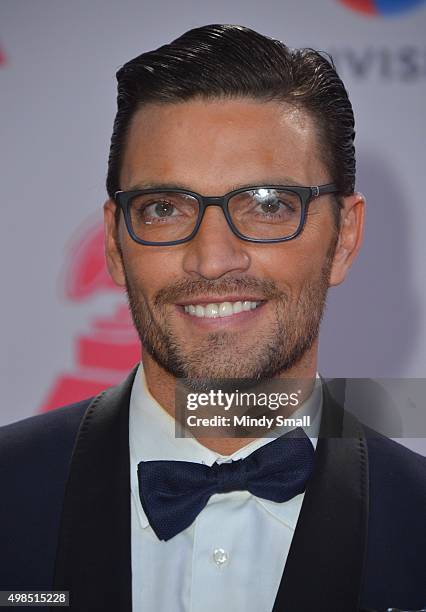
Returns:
(162, 386)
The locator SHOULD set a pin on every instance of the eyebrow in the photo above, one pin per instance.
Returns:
(285, 181)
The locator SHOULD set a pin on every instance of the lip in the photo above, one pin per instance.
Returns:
(214, 299)
(235, 321)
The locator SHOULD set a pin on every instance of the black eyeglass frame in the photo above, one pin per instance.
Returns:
(306, 195)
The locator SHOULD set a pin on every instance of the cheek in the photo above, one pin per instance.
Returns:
(313, 249)
(292, 264)
(150, 270)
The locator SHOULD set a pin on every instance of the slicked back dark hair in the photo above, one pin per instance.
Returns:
(231, 61)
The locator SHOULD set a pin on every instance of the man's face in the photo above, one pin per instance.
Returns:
(212, 147)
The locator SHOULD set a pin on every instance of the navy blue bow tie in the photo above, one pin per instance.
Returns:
(173, 493)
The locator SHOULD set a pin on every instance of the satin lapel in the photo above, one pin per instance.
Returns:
(93, 557)
(323, 571)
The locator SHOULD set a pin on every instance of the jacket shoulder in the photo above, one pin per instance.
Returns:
(397, 487)
(34, 460)
(394, 573)
(393, 463)
(49, 429)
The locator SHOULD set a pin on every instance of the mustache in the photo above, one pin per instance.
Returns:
(191, 288)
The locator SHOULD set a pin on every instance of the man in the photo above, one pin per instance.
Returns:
(231, 211)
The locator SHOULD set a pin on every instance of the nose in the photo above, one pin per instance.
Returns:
(215, 250)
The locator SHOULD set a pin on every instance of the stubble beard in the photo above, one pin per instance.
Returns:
(227, 355)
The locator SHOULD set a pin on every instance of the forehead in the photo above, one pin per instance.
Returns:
(213, 146)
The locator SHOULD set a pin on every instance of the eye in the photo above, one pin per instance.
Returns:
(273, 205)
(160, 209)
(151, 209)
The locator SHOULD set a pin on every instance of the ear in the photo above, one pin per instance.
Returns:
(350, 237)
(113, 253)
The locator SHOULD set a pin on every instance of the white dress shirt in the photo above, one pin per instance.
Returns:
(232, 557)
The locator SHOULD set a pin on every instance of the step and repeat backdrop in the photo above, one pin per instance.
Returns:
(65, 329)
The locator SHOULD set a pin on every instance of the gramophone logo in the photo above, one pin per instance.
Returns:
(110, 348)
(386, 8)
(2, 56)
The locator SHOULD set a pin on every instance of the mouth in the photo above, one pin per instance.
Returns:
(223, 309)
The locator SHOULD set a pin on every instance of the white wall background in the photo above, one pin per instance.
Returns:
(57, 101)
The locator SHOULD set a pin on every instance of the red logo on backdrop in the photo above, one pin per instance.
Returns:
(110, 348)
(387, 8)
(2, 57)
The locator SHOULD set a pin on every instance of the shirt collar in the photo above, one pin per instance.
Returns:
(152, 437)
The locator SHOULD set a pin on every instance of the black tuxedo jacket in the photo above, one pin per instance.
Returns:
(360, 541)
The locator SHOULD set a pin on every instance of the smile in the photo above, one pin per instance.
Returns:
(220, 309)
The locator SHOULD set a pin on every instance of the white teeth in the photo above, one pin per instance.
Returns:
(225, 309)
(222, 309)
(211, 311)
(237, 307)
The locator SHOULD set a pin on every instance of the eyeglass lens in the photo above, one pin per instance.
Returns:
(263, 213)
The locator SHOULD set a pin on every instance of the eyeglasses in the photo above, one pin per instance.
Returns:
(261, 213)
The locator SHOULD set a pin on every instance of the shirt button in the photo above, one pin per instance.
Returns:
(220, 557)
